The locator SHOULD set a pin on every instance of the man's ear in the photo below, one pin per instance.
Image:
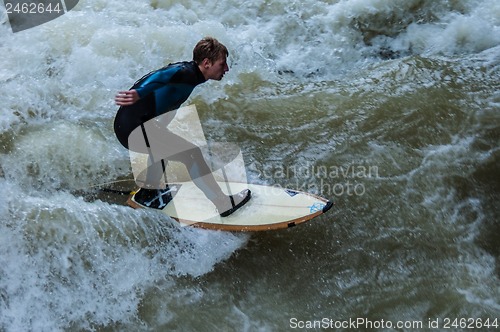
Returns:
(206, 63)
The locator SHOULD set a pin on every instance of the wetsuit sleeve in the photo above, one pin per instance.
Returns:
(156, 81)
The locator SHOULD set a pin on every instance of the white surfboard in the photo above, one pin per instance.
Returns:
(269, 208)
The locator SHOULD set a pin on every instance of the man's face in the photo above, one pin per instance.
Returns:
(217, 69)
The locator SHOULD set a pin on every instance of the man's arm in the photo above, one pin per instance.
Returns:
(126, 98)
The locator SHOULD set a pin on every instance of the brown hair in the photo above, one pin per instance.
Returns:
(209, 48)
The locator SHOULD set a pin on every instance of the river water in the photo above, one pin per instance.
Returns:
(388, 108)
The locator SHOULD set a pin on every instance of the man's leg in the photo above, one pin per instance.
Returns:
(162, 144)
(203, 178)
(199, 172)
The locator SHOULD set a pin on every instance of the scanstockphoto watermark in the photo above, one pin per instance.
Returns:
(27, 14)
(327, 180)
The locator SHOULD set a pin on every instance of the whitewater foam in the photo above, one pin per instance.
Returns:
(66, 261)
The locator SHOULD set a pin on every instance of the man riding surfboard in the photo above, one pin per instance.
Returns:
(141, 125)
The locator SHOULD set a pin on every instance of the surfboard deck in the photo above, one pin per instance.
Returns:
(270, 208)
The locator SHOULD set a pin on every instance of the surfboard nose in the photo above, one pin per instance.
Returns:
(327, 207)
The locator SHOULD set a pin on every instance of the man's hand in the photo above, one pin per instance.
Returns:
(126, 98)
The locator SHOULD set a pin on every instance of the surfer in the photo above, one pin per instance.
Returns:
(145, 111)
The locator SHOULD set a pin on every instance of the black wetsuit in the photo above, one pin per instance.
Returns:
(141, 127)
(160, 91)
